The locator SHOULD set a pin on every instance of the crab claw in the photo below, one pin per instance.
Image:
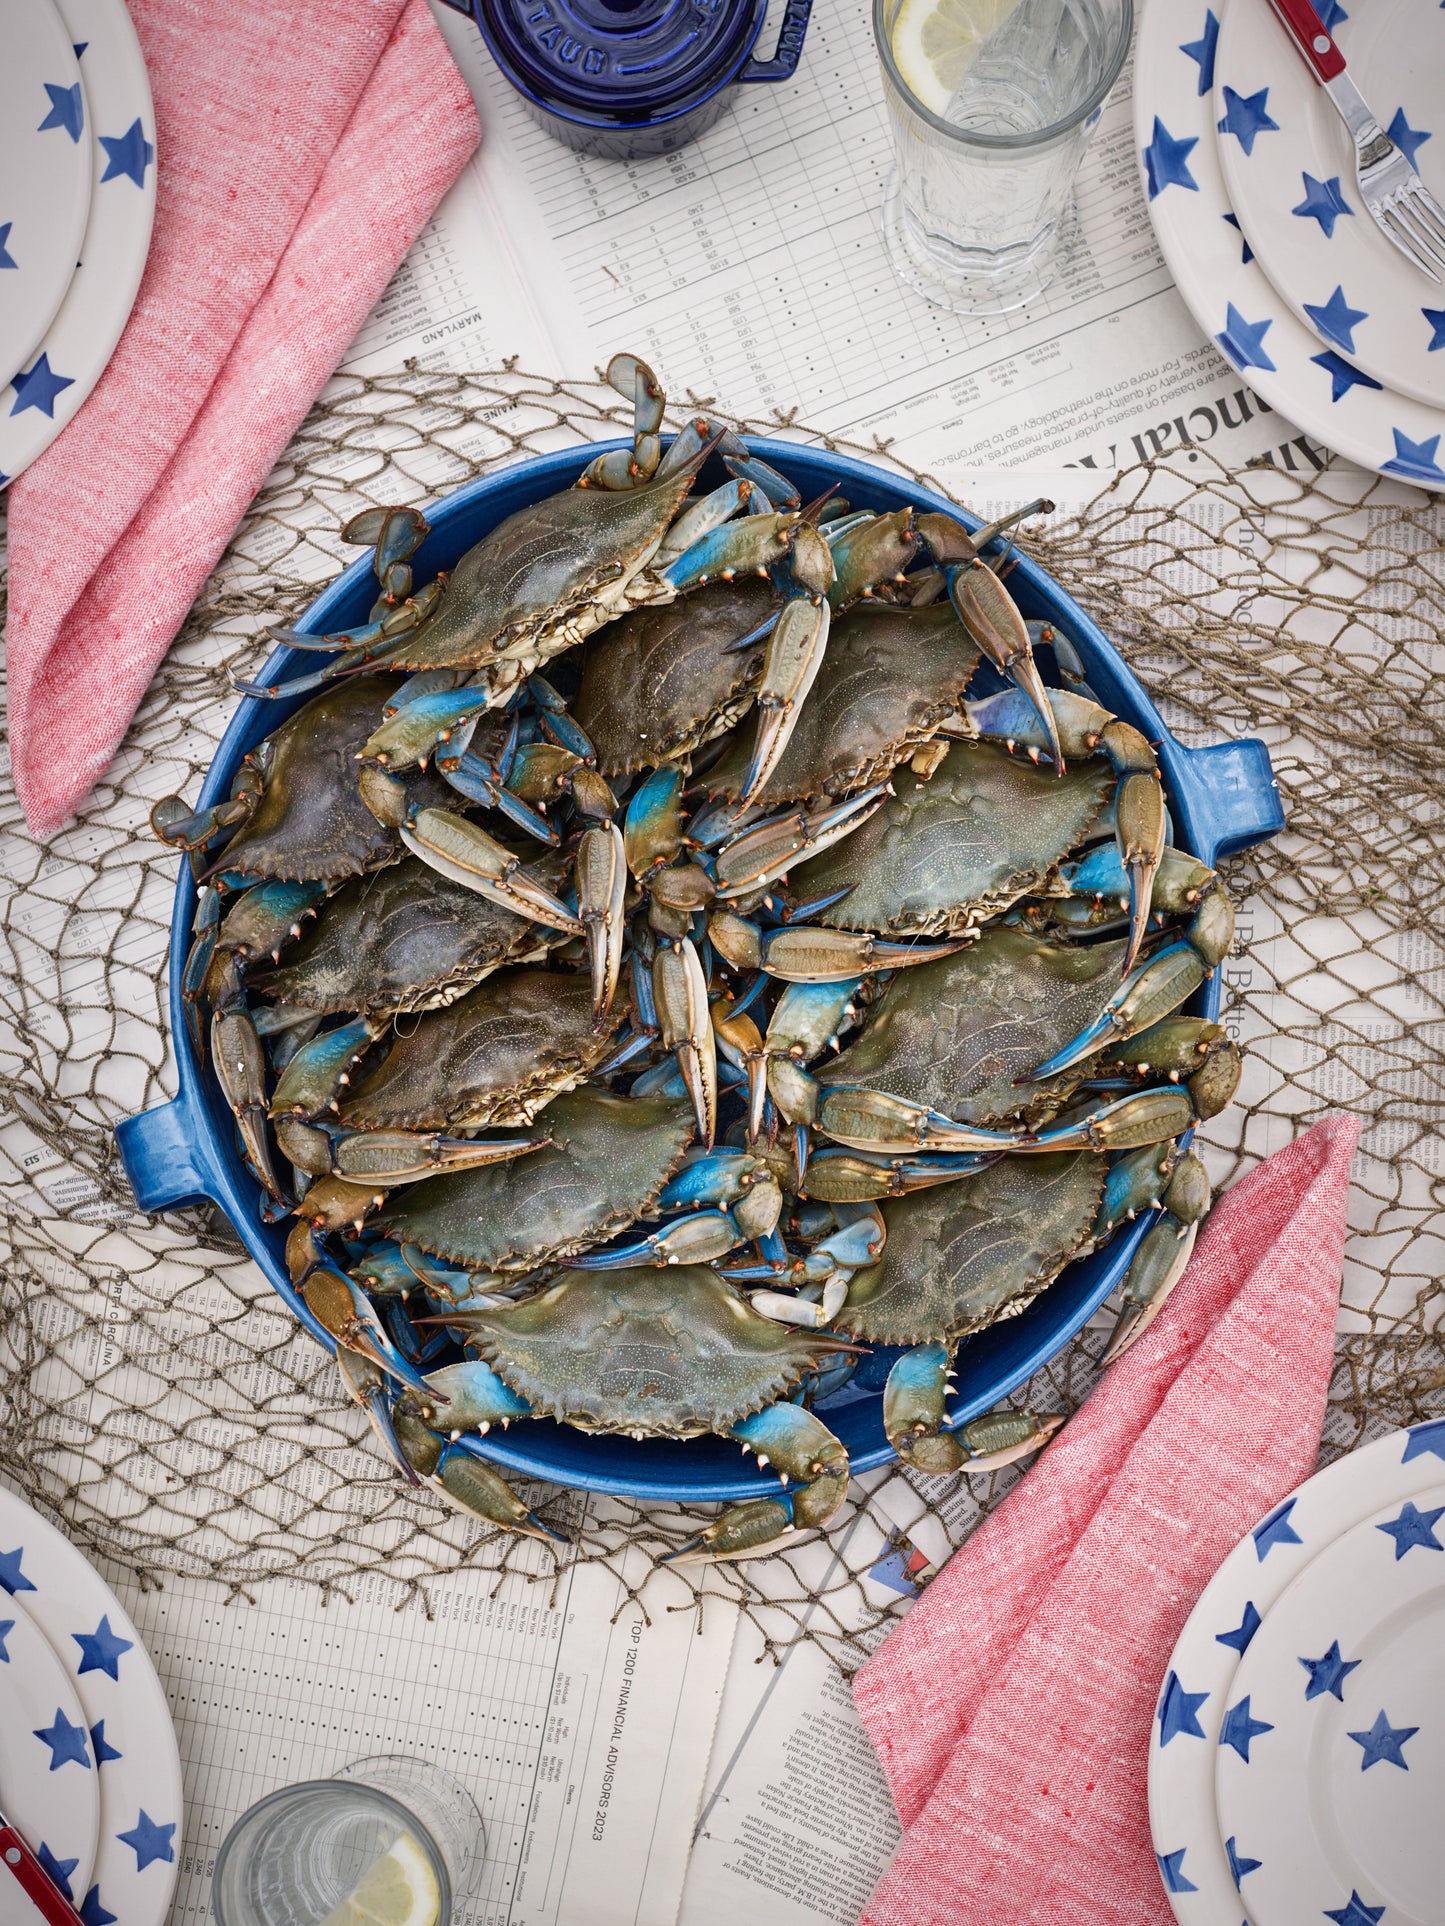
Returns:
(403, 1156)
(310, 1081)
(465, 854)
(1149, 1117)
(1165, 982)
(872, 1120)
(794, 656)
(804, 953)
(1140, 818)
(241, 1071)
(769, 849)
(412, 734)
(680, 991)
(988, 612)
(344, 1309)
(468, 1483)
(601, 899)
(806, 1456)
(366, 1386)
(475, 1398)
(839, 1176)
(1163, 1253)
(698, 1239)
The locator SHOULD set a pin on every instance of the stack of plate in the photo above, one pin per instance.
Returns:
(89, 1769)
(77, 194)
(1298, 1751)
(1250, 179)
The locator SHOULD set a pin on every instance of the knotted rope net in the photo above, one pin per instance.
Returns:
(157, 1397)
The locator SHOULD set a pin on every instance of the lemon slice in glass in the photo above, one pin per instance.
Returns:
(399, 1889)
(935, 42)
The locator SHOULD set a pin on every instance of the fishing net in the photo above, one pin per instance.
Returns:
(157, 1397)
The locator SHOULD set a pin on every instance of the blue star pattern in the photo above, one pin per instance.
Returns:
(148, 1841)
(1408, 139)
(59, 1870)
(1246, 117)
(37, 387)
(7, 259)
(129, 154)
(1243, 342)
(1413, 1528)
(67, 1742)
(1383, 1741)
(1247, 253)
(1171, 1864)
(1275, 1530)
(1203, 50)
(100, 1745)
(1357, 1913)
(1238, 1864)
(7, 1626)
(1240, 1730)
(1166, 161)
(1415, 460)
(1423, 1438)
(11, 1576)
(100, 1650)
(1245, 1630)
(1324, 202)
(1337, 320)
(67, 110)
(1177, 1709)
(1342, 375)
(1328, 1674)
(1331, 13)
(93, 1913)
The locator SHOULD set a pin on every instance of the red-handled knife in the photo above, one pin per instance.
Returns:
(22, 1878)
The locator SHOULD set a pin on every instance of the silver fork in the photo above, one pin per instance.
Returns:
(1402, 207)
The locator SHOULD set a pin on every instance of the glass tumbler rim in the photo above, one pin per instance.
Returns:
(1007, 143)
(279, 1793)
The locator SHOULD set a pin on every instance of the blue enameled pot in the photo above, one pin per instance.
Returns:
(1222, 798)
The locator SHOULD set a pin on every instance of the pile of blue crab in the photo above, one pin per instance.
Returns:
(785, 972)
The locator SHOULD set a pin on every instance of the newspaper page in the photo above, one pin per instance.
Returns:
(749, 267)
(580, 1724)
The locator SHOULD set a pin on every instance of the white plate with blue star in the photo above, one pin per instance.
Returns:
(132, 1739)
(45, 175)
(1316, 387)
(1332, 1810)
(1289, 168)
(52, 382)
(49, 1789)
(1204, 1709)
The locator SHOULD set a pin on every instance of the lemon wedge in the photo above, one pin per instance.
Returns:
(399, 1889)
(935, 42)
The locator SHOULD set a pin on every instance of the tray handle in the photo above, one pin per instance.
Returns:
(165, 1156)
(1231, 787)
(789, 48)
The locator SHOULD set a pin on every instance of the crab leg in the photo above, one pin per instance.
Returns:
(601, 900)
(800, 953)
(769, 849)
(1156, 988)
(741, 1042)
(794, 656)
(680, 991)
(802, 1450)
(652, 829)
(698, 1239)
(851, 1176)
(711, 512)
(914, 1419)
(456, 1468)
(460, 851)
(402, 1156)
(240, 1066)
(345, 1310)
(1162, 1254)
(479, 782)
(776, 490)
(866, 1119)
(366, 1385)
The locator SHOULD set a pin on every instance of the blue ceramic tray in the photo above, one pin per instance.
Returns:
(1223, 798)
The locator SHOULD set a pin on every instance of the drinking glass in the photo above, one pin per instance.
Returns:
(298, 1853)
(981, 196)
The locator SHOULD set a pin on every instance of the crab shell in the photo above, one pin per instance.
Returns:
(942, 856)
(661, 1353)
(407, 939)
(663, 681)
(957, 1034)
(889, 679)
(545, 577)
(608, 1160)
(968, 1254)
(494, 1057)
(311, 824)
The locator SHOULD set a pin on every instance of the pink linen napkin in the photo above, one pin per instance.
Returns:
(301, 150)
(1012, 1707)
